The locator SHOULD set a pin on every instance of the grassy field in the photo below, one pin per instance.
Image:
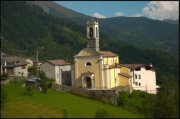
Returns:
(52, 104)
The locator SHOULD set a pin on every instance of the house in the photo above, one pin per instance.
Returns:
(96, 69)
(58, 69)
(139, 76)
(14, 66)
(30, 62)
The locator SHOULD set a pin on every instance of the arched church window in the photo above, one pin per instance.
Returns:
(88, 64)
(90, 32)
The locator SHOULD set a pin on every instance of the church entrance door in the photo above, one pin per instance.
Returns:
(88, 82)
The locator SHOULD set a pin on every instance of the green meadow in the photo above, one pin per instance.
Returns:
(54, 104)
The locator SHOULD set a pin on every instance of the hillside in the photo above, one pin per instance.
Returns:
(52, 105)
(28, 30)
(139, 31)
(176, 22)
(143, 32)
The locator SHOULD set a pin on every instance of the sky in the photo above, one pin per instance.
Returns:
(159, 10)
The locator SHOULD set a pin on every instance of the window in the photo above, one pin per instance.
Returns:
(135, 76)
(139, 84)
(23, 67)
(91, 32)
(138, 69)
(139, 76)
(88, 64)
(136, 83)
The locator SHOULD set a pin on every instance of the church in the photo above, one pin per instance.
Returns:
(96, 69)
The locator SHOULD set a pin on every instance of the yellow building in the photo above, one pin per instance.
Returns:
(95, 69)
(124, 76)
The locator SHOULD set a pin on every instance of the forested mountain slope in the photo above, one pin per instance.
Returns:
(26, 28)
(139, 31)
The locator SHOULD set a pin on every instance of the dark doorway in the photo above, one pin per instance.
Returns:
(88, 82)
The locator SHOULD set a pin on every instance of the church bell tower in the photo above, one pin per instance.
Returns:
(93, 34)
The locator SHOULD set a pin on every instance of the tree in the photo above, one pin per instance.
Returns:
(45, 82)
(166, 103)
(32, 70)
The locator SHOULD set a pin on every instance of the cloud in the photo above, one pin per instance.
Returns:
(137, 15)
(119, 14)
(162, 10)
(97, 15)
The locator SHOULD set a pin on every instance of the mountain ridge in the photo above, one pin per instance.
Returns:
(31, 29)
(138, 31)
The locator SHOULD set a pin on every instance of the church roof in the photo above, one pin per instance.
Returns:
(108, 54)
(134, 66)
(58, 62)
(13, 61)
(88, 52)
(125, 75)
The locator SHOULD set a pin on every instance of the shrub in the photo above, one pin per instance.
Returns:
(45, 82)
(32, 70)
(30, 89)
(3, 97)
(101, 113)
(44, 86)
(4, 76)
(49, 82)
(122, 97)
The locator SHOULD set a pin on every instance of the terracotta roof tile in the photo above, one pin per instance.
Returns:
(125, 75)
(58, 62)
(134, 66)
(108, 54)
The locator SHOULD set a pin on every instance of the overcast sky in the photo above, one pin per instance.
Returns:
(152, 9)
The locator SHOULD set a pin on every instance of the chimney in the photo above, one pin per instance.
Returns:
(150, 65)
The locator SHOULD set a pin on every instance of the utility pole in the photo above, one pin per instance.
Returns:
(37, 63)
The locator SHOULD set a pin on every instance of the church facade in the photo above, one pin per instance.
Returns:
(92, 66)
(96, 69)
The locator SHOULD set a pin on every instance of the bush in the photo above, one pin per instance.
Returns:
(4, 76)
(3, 97)
(44, 86)
(32, 71)
(49, 82)
(45, 82)
(122, 97)
(30, 89)
(101, 113)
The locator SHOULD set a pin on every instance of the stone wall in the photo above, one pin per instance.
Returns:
(106, 96)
